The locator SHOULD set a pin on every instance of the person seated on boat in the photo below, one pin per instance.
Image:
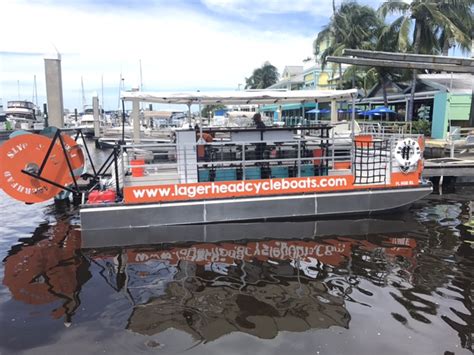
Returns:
(257, 119)
(202, 152)
(259, 147)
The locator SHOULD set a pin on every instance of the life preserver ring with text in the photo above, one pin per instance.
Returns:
(407, 153)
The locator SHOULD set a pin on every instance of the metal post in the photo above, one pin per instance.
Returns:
(48, 153)
(117, 180)
(136, 121)
(353, 117)
(200, 121)
(406, 109)
(185, 166)
(243, 161)
(389, 179)
(49, 181)
(45, 115)
(123, 122)
(333, 154)
(71, 171)
(189, 114)
(333, 111)
(299, 158)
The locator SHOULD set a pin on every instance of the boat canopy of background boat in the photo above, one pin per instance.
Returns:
(220, 174)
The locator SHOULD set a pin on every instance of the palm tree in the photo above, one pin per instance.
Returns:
(351, 26)
(428, 17)
(391, 38)
(360, 77)
(460, 14)
(262, 77)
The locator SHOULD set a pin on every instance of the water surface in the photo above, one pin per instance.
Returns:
(392, 284)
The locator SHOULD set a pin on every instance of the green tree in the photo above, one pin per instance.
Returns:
(360, 77)
(262, 77)
(351, 26)
(428, 18)
(461, 15)
(392, 38)
(209, 110)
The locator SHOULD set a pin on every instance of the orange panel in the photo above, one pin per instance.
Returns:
(342, 165)
(26, 152)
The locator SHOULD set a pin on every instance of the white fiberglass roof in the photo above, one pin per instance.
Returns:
(239, 97)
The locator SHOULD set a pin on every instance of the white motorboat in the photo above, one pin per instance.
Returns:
(21, 114)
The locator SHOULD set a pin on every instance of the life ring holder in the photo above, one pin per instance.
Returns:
(407, 153)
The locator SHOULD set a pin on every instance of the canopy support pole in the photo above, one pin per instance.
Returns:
(333, 111)
(189, 114)
(353, 117)
(136, 121)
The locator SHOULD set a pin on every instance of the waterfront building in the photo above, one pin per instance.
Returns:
(291, 78)
(310, 76)
(442, 99)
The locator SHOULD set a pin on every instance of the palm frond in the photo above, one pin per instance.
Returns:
(403, 34)
(392, 7)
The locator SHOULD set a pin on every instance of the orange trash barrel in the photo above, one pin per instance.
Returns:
(137, 167)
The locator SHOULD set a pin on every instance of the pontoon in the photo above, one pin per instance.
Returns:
(252, 174)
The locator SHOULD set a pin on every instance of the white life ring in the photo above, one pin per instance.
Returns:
(407, 153)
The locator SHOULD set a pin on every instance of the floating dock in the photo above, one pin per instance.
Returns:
(455, 167)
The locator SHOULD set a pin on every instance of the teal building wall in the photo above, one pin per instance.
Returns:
(439, 125)
(449, 107)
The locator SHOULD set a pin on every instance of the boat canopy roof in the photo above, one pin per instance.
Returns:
(239, 97)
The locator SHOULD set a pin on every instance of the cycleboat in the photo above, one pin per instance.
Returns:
(237, 174)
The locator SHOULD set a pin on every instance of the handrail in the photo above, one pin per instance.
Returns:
(169, 163)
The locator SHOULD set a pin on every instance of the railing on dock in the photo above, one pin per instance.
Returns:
(460, 140)
(385, 128)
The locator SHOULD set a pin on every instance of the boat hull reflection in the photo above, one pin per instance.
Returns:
(258, 287)
(237, 231)
(209, 289)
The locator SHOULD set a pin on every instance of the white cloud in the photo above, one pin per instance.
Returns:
(253, 8)
(178, 49)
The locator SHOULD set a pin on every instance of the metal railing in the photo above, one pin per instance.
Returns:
(225, 161)
(460, 140)
(384, 128)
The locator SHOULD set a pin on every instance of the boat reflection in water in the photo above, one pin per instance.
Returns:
(256, 286)
(260, 287)
(47, 268)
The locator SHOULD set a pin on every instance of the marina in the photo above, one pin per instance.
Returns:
(212, 234)
(308, 173)
(237, 177)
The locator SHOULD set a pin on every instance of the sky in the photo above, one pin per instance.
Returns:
(183, 45)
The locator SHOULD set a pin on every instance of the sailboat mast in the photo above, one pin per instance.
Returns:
(84, 102)
(141, 81)
(102, 98)
(121, 84)
(35, 92)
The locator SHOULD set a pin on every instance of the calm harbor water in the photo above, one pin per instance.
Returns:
(392, 284)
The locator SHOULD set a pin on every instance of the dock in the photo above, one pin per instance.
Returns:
(451, 157)
(453, 167)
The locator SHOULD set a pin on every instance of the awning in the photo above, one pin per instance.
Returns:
(240, 97)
